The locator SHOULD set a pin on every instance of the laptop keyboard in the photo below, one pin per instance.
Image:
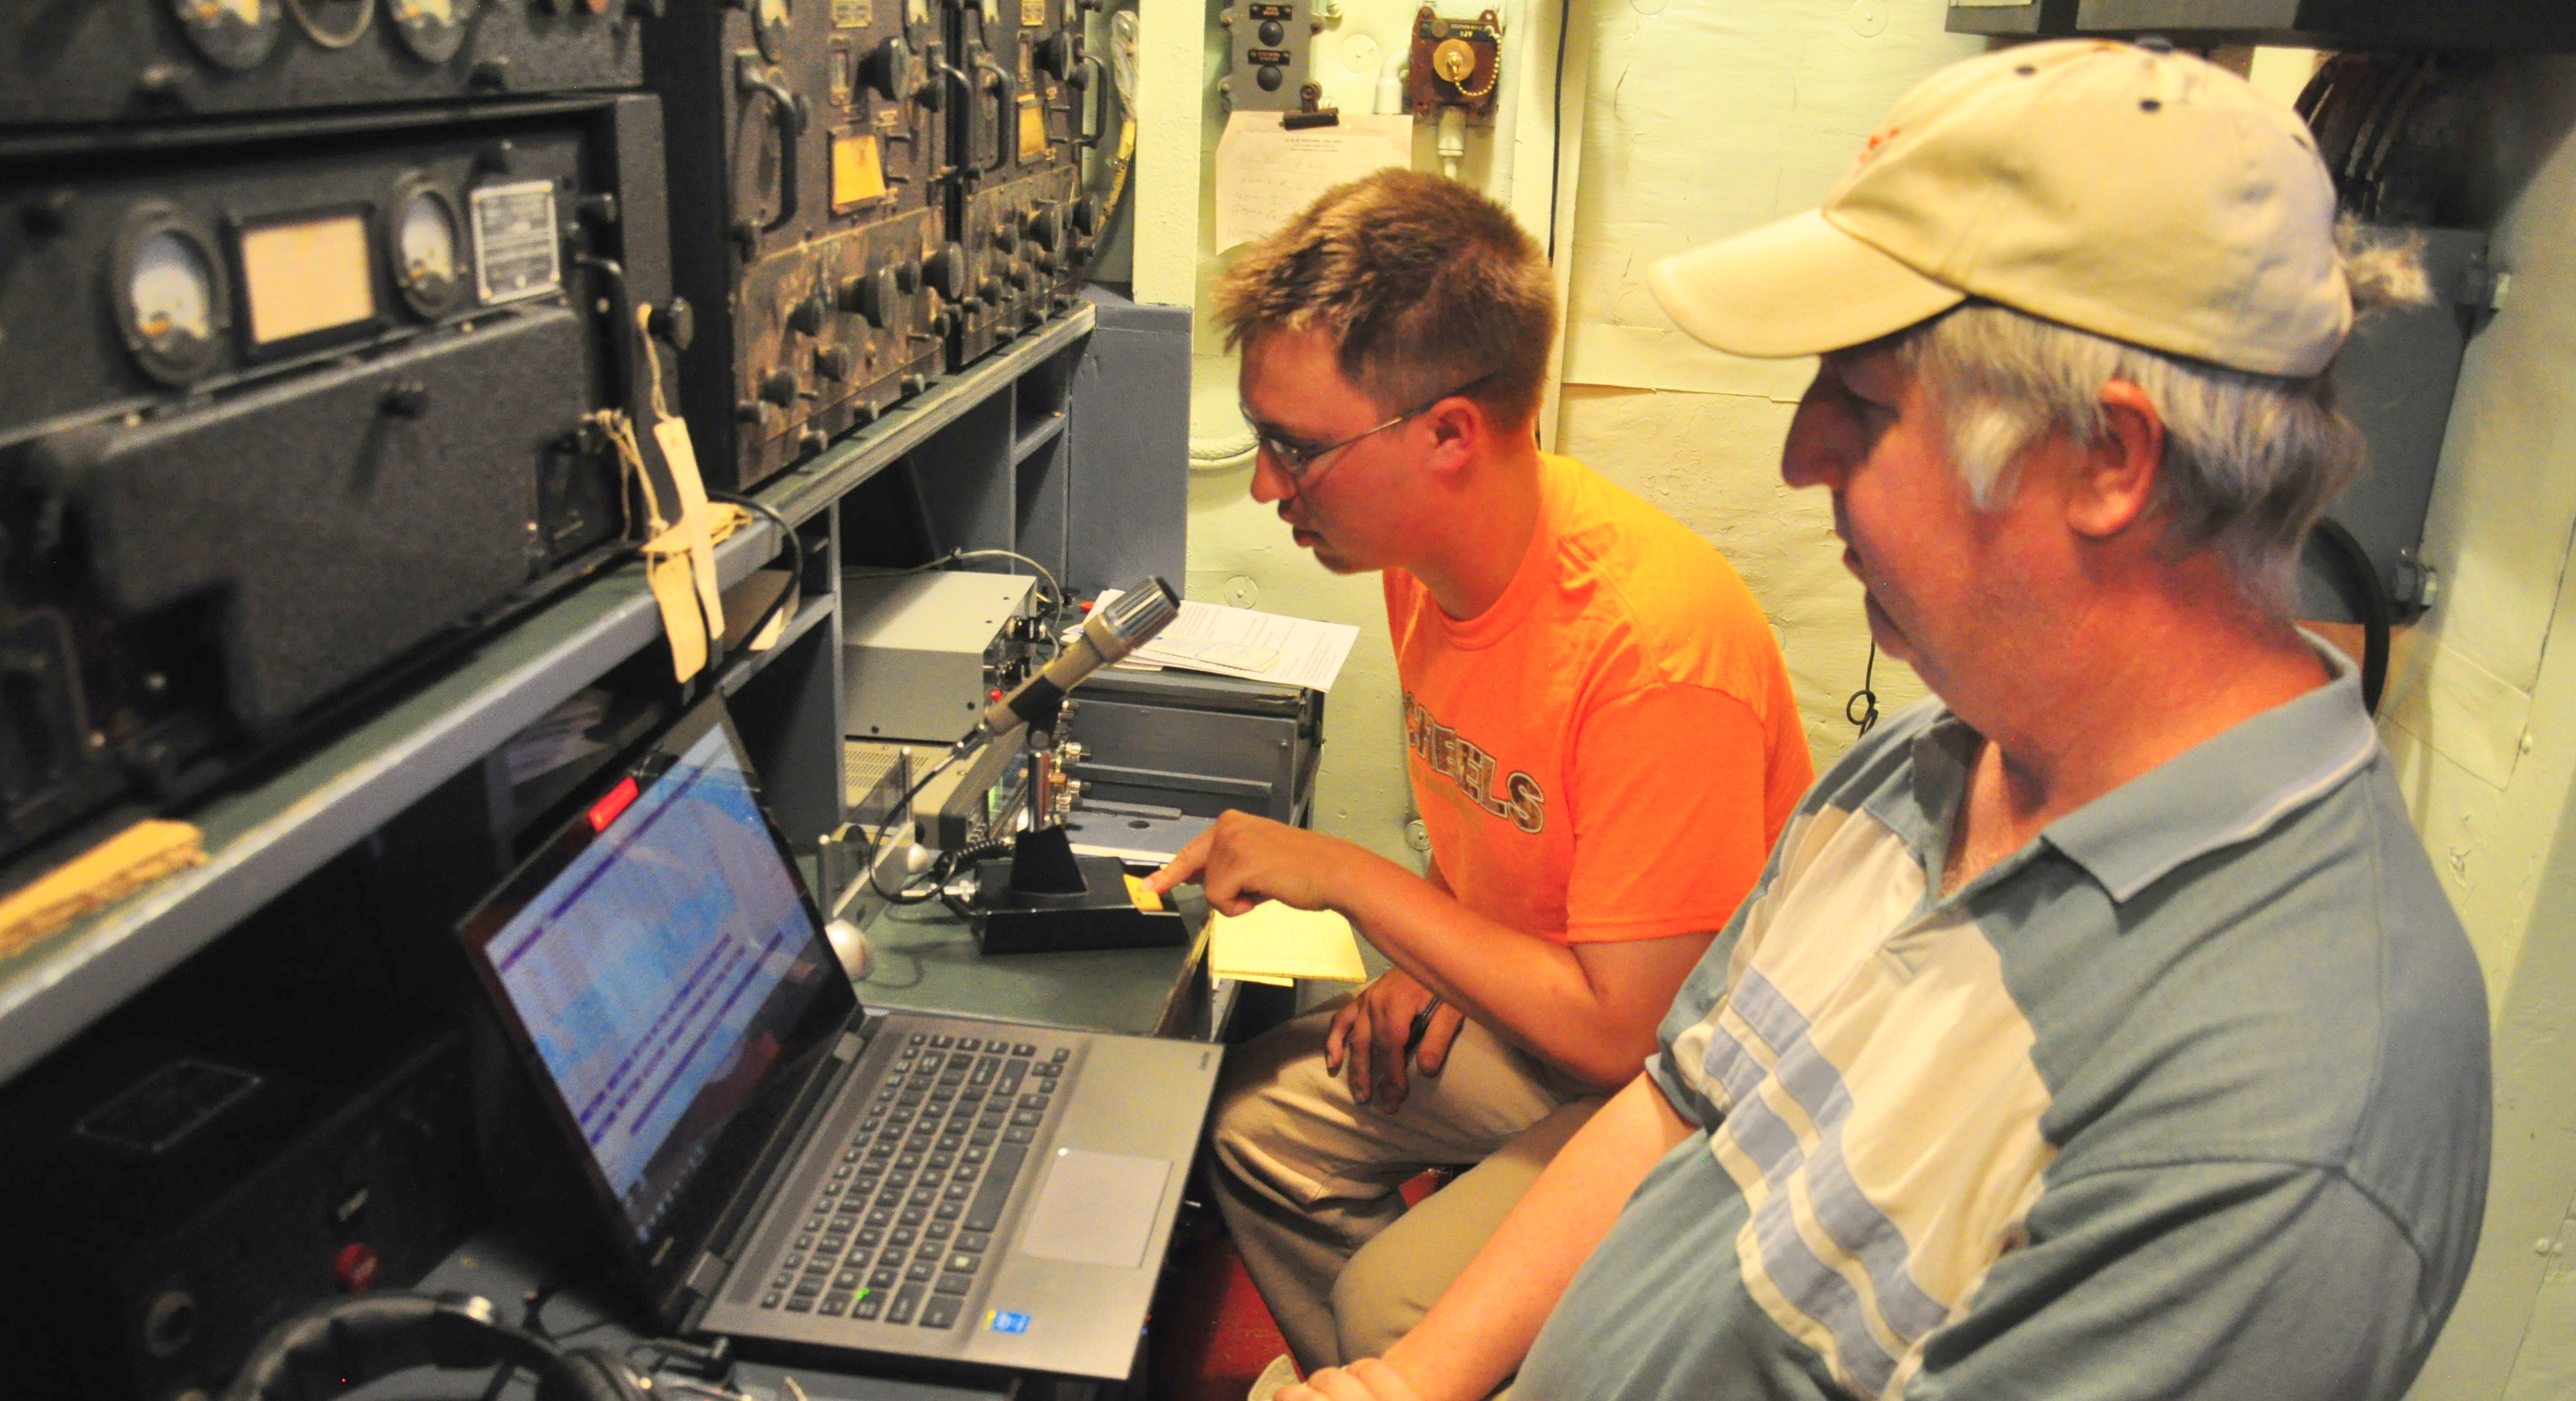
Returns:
(904, 1225)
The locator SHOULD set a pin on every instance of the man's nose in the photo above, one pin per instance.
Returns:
(1823, 444)
(1268, 482)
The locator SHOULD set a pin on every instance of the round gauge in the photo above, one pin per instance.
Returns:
(432, 29)
(770, 22)
(169, 294)
(424, 244)
(234, 34)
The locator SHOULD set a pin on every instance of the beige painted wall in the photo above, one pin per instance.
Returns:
(1696, 121)
(2482, 720)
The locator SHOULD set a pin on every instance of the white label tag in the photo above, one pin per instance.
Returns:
(516, 251)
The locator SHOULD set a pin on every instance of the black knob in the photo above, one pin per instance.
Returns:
(888, 69)
(907, 277)
(1086, 215)
(806, 318)
(1272, 31)
(811, 441)
(1006, 233)
(779, 387)
(835, 362)
(674, 323)
(1270, 77)
(910, 385)
(1046, 225)
(1045, 262)
(1024, 278)
(752, 411)
(871, 295)
(991, 292)
(1059, 54)
(947, 270)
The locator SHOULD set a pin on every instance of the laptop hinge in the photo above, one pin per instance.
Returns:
(708, 1275)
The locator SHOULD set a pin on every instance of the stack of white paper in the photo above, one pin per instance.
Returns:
(1240, 642)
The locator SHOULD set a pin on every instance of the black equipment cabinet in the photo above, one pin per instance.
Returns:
(86, 61)
(808, 144)
(308, 396)
(1026, 228)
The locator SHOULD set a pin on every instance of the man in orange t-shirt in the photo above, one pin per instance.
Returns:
(1600, 736)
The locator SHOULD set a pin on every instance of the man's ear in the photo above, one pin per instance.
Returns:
(1459, 430)
(2117, 477)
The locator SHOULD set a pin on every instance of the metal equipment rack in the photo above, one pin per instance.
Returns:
(988, 446)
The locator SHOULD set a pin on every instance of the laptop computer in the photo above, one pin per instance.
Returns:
(782, 1166)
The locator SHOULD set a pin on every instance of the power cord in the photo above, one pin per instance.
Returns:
(791, 546)
(902, 895)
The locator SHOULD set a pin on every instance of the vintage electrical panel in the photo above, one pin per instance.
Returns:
(810, 149)
(294, 408)
(1026, 230)
(1271, 42)
(1453, 64)
(164, 60)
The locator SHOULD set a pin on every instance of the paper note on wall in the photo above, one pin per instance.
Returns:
(1265, 175)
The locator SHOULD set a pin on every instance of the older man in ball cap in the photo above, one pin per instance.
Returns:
(2098, 1028)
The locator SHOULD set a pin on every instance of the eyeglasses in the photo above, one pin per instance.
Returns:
(1298, 463)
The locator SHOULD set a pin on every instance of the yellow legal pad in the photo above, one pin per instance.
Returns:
(1279, 944)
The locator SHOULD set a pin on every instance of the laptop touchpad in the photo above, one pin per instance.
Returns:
(1096, 1209)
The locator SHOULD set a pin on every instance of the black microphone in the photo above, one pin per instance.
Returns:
(1127, 623)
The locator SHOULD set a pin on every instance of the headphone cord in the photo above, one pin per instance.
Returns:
(1862, 709)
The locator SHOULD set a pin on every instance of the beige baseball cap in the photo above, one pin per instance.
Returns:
(2138, 194)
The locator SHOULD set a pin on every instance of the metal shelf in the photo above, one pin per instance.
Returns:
(264, 839)
(1029, 446)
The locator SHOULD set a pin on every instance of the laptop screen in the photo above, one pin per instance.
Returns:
(663, 967)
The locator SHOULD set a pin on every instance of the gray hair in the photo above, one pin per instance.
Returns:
(2251, 461)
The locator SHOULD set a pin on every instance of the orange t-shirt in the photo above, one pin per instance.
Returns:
(1608, 752)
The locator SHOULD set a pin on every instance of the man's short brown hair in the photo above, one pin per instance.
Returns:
(1422, 284)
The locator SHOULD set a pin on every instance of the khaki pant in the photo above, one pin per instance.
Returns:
(1308, 1179)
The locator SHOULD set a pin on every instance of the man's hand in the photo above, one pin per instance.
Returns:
(1244, 860)
(1368, 1379)
(1371, 1032)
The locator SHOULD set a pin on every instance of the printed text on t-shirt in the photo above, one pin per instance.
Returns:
(1472, 769)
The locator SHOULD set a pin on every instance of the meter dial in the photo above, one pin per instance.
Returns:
(235, 34)
(432, 29)
(424, 244)
(770, 21)
(170, 298)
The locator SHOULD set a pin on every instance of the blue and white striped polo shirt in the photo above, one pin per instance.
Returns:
(2189, 1097)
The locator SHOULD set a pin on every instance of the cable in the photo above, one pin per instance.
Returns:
(790, 545)
(1556, 133)
(2375, 606)
(1867, 718)
(903, 813)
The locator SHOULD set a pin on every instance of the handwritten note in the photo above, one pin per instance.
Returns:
(1265, 175)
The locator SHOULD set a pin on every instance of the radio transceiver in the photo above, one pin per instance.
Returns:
(814, 131)
(303, 403)
(1025, 225)
(160, 60)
